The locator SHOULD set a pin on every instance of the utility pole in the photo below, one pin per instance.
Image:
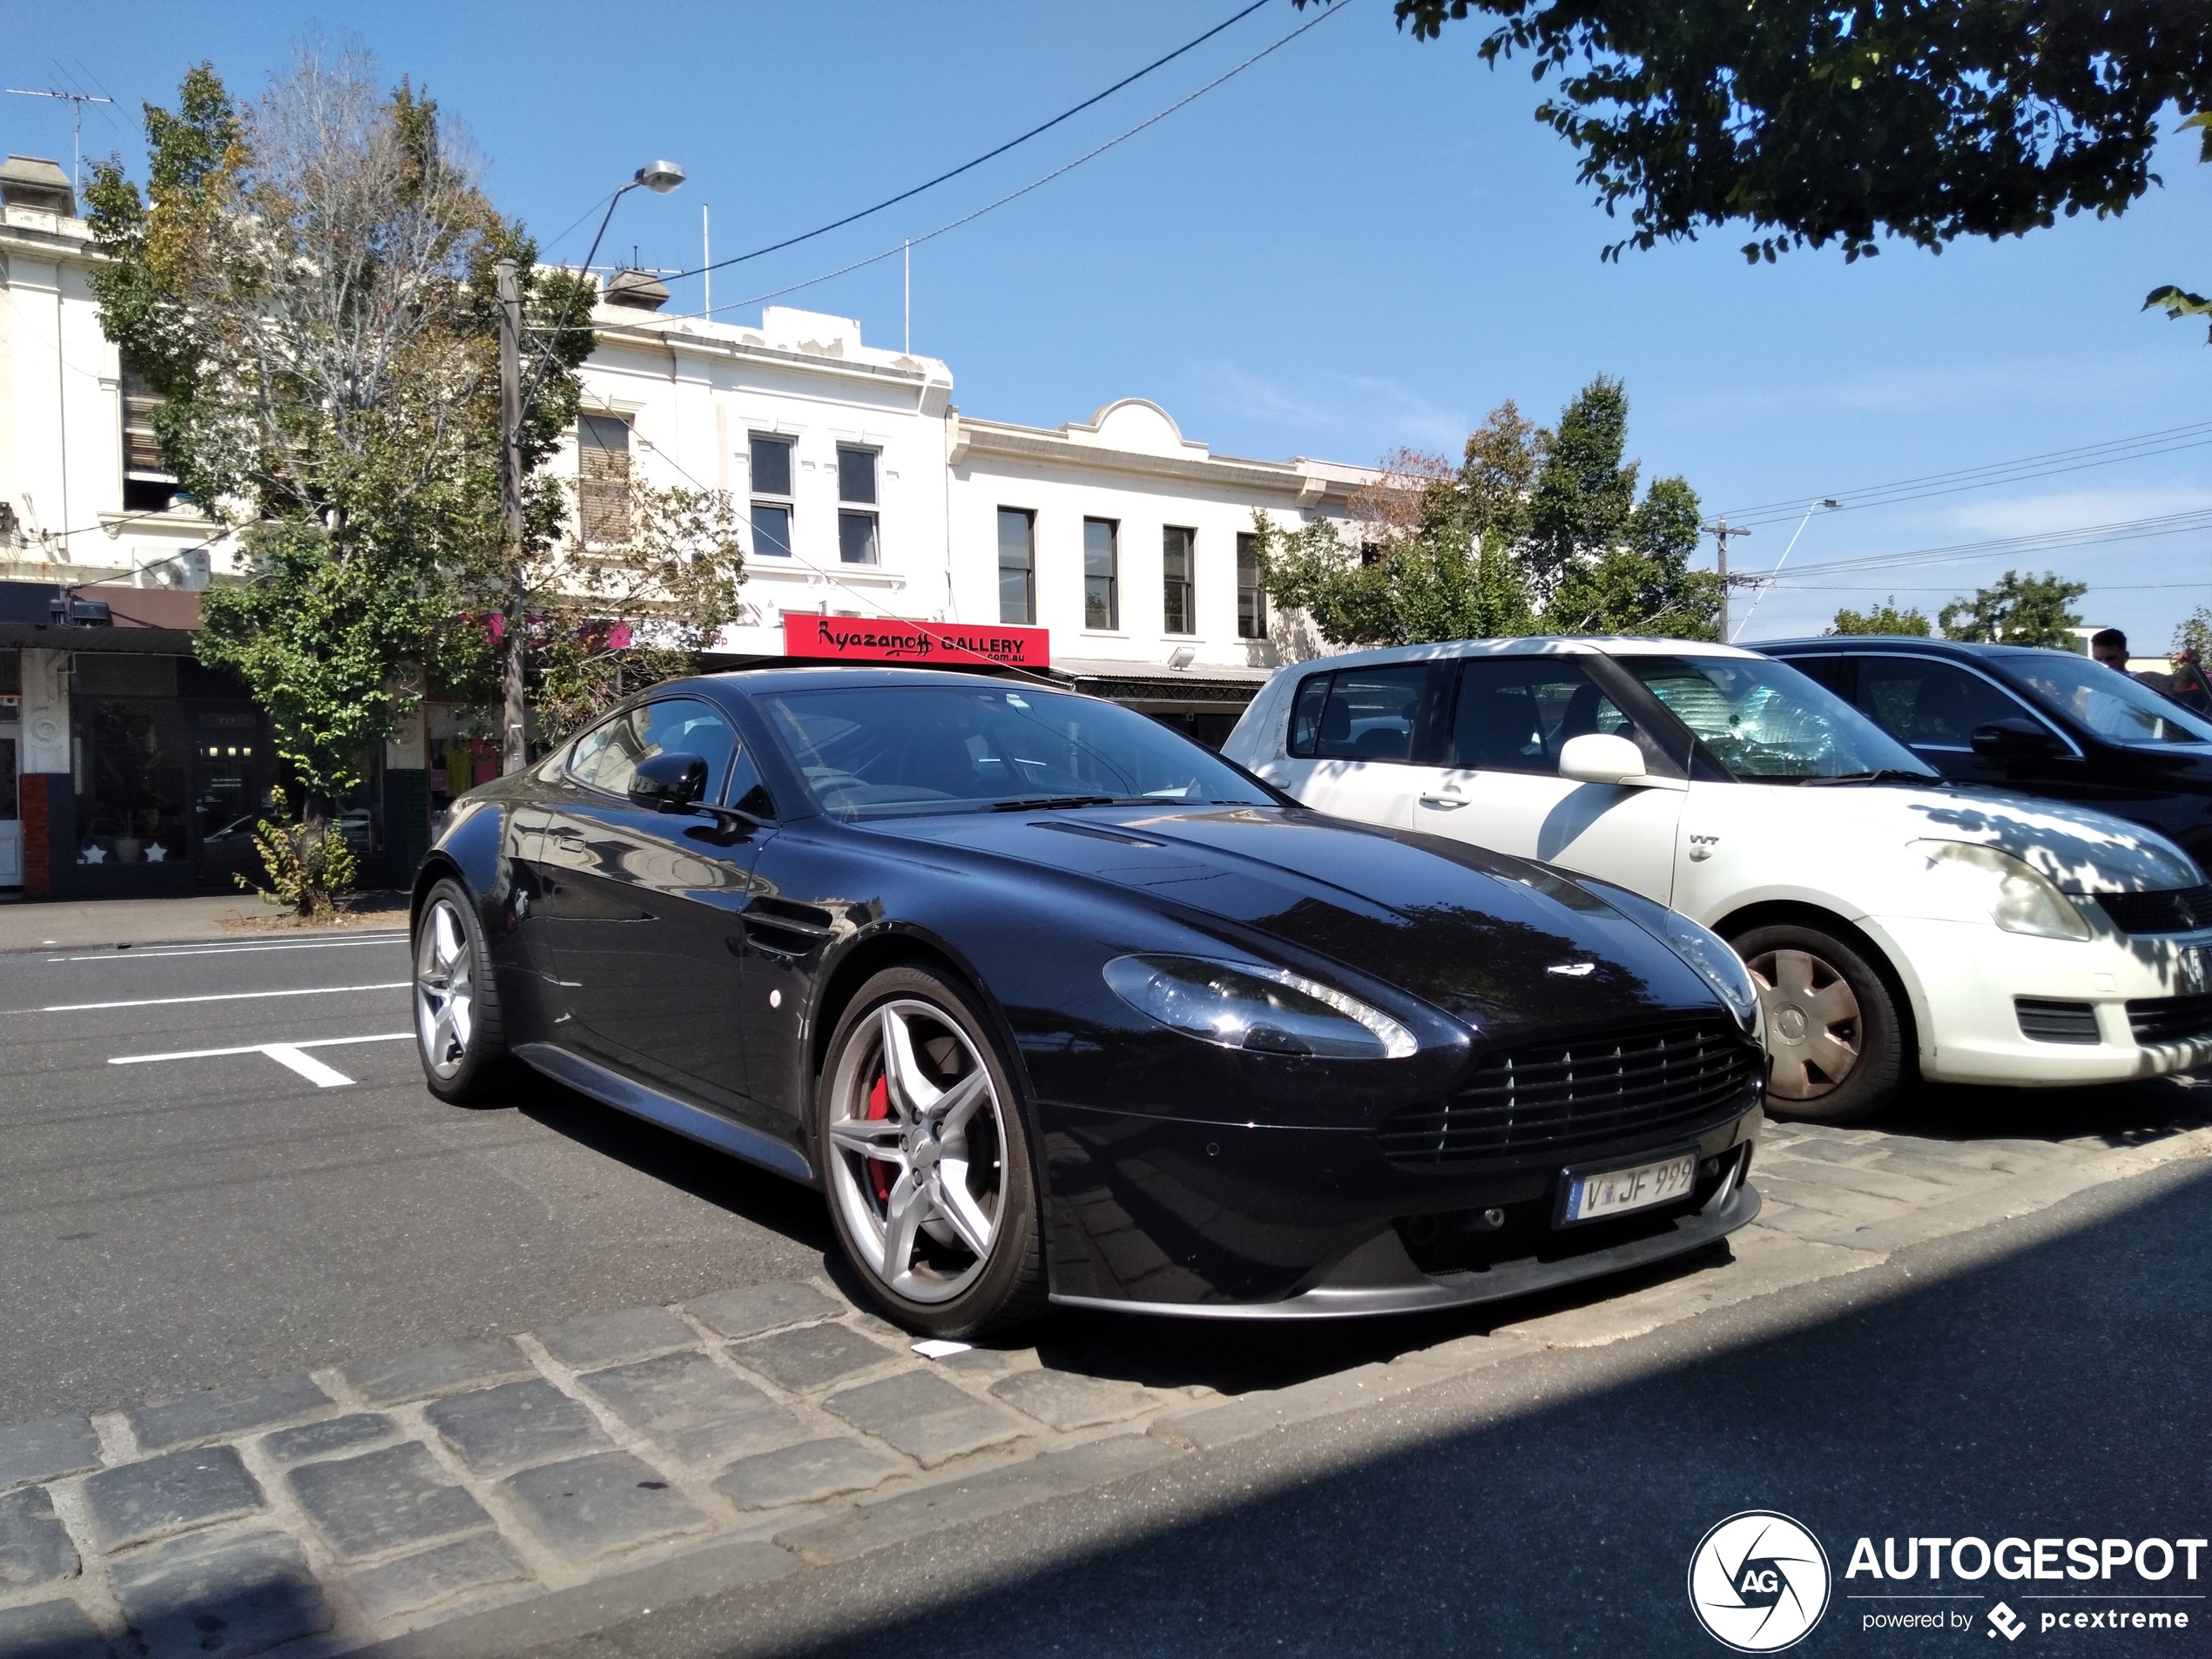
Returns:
(1721, 530)
(77, 101)
(515, 714)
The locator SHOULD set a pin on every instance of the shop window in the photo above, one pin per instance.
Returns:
(603, 487)
(130, 781)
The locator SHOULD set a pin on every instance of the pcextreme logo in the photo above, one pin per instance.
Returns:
(1758, 1581)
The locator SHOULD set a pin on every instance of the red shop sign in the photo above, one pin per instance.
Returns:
(866, 639)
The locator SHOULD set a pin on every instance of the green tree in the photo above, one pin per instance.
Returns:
(2177, 301)
(2017, 610)
(1534, 531)
(307, 281)
(1884, 618)
(1821, 121)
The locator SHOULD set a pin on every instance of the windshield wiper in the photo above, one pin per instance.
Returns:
(1051, 803)
(1879, 775)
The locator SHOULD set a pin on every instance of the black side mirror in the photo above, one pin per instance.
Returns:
(669, 783)
(2013, 741)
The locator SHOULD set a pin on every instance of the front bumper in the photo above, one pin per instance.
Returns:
(1971, 976)
(1163, 1215)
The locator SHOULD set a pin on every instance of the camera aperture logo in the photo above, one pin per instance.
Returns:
(1758, 1581)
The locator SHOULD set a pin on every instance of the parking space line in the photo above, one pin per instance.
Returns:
(287, 1054)
(306, 1065)
(159, 954)
(218, 996)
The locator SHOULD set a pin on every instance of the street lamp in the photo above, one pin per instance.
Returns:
(1764, 581)
(659, 177)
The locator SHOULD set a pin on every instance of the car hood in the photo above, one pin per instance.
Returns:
(2080, 850)
(1493, 940)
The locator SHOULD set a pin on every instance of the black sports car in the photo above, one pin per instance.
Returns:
(1054, 1002)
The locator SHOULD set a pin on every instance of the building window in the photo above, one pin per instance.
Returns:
(1018, 565)
(603, 488)
(147, 485)
(1102, 574)
(856, 528)
(1251, 599)
(772, 497)
(1178, 564)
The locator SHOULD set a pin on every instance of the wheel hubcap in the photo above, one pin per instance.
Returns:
(445, 1002)
(917, 1142)
(1812, 1022)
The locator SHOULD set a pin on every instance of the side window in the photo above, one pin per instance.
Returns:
(1358, 714)
(747, 793)
(606, 758)
(1834, 672)
(1931, 705)
(1516, 713)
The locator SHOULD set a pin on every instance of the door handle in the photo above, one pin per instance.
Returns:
(1447, 802)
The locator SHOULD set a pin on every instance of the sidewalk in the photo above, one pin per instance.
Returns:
(151, 922)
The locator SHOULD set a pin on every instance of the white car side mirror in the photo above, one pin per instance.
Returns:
(1601, 758)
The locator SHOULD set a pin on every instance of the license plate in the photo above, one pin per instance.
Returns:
(1612, 1192)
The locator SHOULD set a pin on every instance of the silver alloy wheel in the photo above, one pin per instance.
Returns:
(917, 1140)
(1813, 1025)
(445, 999)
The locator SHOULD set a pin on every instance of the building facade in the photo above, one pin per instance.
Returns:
(1117, 548)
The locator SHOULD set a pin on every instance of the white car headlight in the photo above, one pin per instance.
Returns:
(1722, 969)
(2019, 899)
(1268, 1010)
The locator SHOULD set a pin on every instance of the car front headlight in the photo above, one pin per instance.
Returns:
(1266, 1010)
(1714, 959)
(2019, 899)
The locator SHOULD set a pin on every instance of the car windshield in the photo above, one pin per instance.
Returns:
(1767, 722)
(2107, 702)
(897, 752)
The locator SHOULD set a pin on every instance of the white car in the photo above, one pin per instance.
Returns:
(1888, 917)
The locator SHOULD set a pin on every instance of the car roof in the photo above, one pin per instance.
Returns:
(1536, 645)
(755, 681)
(1914, 641)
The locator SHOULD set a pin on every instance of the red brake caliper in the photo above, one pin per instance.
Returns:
(880, 1109)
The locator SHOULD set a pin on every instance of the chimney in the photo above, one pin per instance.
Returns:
(35, 182)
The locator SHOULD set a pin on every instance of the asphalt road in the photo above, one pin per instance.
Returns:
(2051, 1376)
(177, 1224)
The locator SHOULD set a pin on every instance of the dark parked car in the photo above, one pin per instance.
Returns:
(1052, 1001)
(2042, 722)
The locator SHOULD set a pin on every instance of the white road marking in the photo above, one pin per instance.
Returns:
(220, 996)
(157, 954)
(306, 1065)
(287, 1054)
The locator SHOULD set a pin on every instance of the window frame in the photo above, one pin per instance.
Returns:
(786, 503)
(1251, 597)
(1111, 577)
(1027, 568)
(1186, 587)
(1661, 756)
(1425, 732)
(591, 523)
(852, 509)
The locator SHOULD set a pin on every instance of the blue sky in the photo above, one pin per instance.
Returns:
(1363, 241)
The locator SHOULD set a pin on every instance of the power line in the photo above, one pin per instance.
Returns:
(966, 166)
(2045, 541)
(2141, 446)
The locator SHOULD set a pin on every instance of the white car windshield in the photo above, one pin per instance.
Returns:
(896, 752)
(1767, 722)
(2107, 702)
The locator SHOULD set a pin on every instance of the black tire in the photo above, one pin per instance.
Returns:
(1806, 1080)
(464, 1058)
(971, 1177)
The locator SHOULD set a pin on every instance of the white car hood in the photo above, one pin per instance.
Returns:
(2080, 850)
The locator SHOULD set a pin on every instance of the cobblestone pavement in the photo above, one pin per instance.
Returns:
(497, 1495)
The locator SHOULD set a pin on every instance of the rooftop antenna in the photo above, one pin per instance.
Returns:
(77, 101)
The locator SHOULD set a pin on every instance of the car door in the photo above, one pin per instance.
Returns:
(1498, 786)
(1352, 738)
(643, 912)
